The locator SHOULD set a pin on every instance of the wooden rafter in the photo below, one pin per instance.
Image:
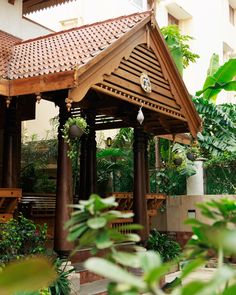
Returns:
(35, 5)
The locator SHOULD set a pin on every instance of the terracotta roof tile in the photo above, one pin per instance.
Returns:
(6, 43)
(64, 50)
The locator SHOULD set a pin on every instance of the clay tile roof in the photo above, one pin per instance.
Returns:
(66, 50)
(6, 43)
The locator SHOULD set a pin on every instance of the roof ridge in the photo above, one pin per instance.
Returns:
(85, 26)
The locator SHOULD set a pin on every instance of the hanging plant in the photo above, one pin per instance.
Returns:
(72, 131)
(192, 152)
(178, 161)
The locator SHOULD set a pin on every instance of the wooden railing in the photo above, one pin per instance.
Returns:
(44, 204)
(125, 201)
(9, 198)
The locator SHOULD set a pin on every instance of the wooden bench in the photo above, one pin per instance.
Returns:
(38, 205)
(9, 198)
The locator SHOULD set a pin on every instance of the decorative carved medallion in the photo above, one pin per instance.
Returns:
(145, 83)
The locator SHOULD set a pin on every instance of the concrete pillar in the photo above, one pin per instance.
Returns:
(195, 183)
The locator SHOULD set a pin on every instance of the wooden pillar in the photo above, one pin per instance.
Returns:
(146, 163)
(64, 188)
(139, 201)
(12, 146)
(91, 164)
(83, 167)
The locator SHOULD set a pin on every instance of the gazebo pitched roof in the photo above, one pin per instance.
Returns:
(106, 57)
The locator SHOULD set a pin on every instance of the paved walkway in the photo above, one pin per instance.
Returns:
(202, 274)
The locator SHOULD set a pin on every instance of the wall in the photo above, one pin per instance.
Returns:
(177, 208)
(11, 21)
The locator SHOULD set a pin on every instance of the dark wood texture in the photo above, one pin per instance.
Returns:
(91, 169)
(64, 188)
(12, 146)
(139, 202)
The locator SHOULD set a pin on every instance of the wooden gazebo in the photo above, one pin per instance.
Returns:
(104, 72)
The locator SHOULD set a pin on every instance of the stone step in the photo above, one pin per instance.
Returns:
(94, 288)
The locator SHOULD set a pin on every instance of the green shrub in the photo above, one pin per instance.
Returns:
(164, 245)
(20, 237)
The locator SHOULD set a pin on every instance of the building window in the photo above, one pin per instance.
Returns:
(231, 15)
(69, 23)
(172, 20)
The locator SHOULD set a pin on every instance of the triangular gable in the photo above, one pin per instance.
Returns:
(144, 51)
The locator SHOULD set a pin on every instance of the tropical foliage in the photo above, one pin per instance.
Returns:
(164, 245)
(220, 173)
(219, 121)
(36, 155)
(219, 127)
(115, 164)
(175, 168)
(219, 79)
(179, 47)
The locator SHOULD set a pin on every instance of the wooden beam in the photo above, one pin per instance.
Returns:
(11, 2)
(44, 83)
(4, 87)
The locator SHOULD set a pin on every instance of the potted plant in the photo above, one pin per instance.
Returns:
(72, 130)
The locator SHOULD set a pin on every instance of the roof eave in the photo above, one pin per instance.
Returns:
(30, 6)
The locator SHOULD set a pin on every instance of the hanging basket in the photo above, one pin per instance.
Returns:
(75, 132)
(72, 130)
(191, 156)
(178, 161)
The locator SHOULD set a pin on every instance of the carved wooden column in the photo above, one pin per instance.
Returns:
(91, 169)
(139, 201)
(147, 178)
(12, 146)
(83, 167)
(64, 188)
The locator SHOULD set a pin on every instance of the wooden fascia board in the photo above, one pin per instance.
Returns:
(35, 5)
(168, 63)
(107, 61)
(4, 87)
(43, 83)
